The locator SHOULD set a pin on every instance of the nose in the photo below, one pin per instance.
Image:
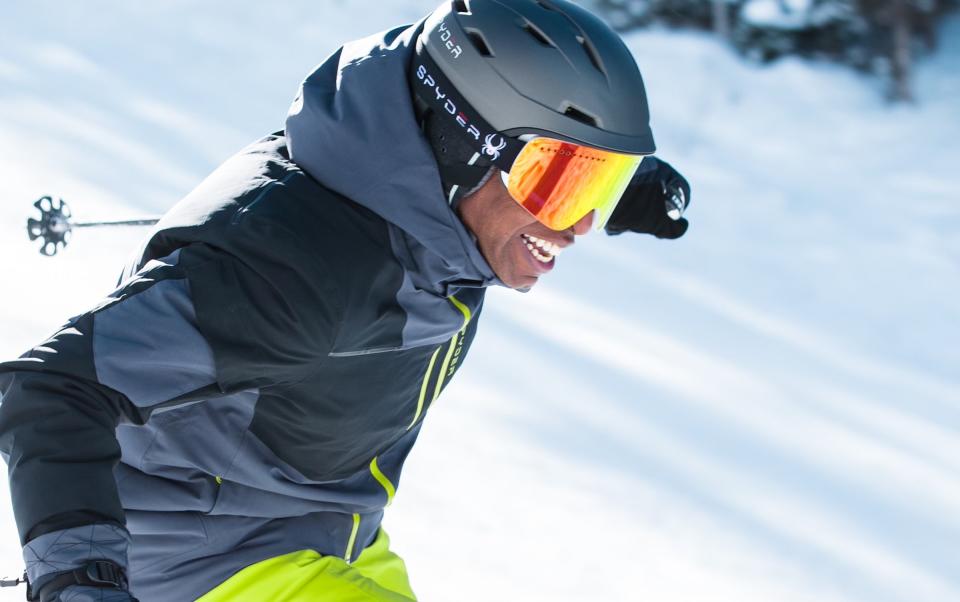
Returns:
(583, 226)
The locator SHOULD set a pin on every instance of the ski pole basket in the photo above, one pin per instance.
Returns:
(55, 226)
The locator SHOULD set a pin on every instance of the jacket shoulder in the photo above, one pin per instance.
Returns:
(271, 223)
(260, 200)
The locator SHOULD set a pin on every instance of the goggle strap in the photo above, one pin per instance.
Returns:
(434, 88)
(462, 174)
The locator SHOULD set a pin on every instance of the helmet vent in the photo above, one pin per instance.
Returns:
(538, 35)
(542, 4)
(461, 7)
(576, 114)
(592, 54)
(479, 42)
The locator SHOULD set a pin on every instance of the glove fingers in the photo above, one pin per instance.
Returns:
(673, 229)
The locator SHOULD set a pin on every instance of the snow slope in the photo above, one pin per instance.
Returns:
(765, 410)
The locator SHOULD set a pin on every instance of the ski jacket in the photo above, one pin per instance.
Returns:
(254, 384)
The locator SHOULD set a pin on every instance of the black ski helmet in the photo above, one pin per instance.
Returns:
(509, 68)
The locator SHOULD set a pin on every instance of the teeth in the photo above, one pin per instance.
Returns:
(545, 245)
(542, 250)
(540, 257)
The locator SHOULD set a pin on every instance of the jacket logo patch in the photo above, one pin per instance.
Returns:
(456, 355)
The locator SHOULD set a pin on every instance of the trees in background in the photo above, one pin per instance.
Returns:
(877, 36)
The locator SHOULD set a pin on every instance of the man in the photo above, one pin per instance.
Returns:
(231, 422)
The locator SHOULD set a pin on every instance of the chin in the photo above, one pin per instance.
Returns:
(522, 284)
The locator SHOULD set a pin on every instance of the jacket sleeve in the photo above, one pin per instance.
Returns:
(194, 325)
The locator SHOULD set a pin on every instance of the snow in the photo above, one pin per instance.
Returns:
(781, 14)
(767, 409)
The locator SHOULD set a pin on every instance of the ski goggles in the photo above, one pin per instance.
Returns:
(560, 182)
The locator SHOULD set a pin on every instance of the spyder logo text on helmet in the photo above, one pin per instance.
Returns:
(448, 41)
(448, 105)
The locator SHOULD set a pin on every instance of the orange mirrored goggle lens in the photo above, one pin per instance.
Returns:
(560, 182)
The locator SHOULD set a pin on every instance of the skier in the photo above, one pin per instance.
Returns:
(230, 423)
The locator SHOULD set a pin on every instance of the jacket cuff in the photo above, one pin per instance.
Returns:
(69, 549)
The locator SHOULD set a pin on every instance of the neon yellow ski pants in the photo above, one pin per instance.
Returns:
(378, 575)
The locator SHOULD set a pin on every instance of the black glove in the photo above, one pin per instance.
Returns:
(643, 207)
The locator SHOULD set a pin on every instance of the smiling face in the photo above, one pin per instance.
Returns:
(518, 247)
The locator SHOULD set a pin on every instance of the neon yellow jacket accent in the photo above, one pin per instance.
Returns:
(378, 575)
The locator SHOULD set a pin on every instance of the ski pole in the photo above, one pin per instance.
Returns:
(55, 225)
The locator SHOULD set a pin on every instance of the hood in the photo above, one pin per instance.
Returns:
(353, 128)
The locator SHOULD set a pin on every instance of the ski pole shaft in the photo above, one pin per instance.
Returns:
(129, 222)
